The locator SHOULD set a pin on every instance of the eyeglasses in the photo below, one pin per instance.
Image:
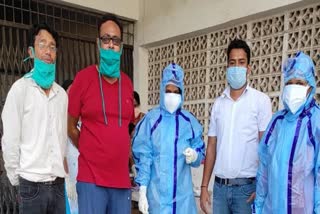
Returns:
(44, 46)
(106, 40)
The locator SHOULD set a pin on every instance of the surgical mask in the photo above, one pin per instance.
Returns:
(172, 101)
(109, 62)
(43, 73)
(236, 76)
(294, 96)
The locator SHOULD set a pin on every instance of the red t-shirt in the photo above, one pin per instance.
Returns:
(104, 149)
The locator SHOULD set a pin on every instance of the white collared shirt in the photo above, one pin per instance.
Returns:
(237, 124)
(34, 132)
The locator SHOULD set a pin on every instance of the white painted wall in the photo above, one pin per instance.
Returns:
(124, 8)
(163, 19)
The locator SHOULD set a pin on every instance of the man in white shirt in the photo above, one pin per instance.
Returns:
(35, 129)
(238, 119)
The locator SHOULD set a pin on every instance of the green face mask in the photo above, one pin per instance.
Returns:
(43, 73)
(109, 62)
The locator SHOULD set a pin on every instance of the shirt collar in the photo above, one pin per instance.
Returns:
(54, 88)
(226, 92)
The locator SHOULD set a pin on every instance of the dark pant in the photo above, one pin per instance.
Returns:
(42, 197)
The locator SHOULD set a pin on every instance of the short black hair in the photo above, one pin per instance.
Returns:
(66, 84)
(110, 17)
(136, 97)
(34, 31)
(239, 44)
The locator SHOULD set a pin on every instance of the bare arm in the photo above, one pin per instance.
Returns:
(207, 171)
(65, 165)
(131, 161)
(73, 131)
(253, 195)
(260, 135)
(209, 161)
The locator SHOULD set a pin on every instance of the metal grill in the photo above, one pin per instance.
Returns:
(78, 31)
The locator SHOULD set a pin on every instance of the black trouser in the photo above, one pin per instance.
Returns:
(42, 197)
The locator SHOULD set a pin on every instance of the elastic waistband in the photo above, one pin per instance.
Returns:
(234, 181)
(58, 180)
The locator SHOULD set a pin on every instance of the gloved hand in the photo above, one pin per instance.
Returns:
(133, 170)
(143, 201)
(191, 155)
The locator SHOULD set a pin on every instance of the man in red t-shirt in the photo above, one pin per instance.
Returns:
(102, 96)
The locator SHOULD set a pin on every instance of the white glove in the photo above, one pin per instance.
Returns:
(71, 189)
(143, 201)
(191, 155)
(133, 170)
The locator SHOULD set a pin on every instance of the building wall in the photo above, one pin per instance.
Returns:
(128, 9)
(268, 33)
(273, 36)
(164, 22)
(166, 18)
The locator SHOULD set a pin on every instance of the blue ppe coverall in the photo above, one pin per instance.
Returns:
(288, 178)
(159, 141)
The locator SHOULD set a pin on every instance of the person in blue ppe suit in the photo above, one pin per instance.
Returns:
(288, 178)
(167, 143)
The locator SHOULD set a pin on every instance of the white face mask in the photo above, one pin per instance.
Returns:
(172, 101)
(294, 96)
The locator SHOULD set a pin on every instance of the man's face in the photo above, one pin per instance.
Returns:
(110, 36)
(44, 47)
(238, 57)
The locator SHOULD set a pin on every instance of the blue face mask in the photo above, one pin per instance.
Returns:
(109, 62)
(43, 73)
(236, 76)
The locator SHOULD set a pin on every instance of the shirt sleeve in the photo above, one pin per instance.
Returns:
(74, 96)
(265, 113)
(11, 119)
(65, 125)
(212, 132)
